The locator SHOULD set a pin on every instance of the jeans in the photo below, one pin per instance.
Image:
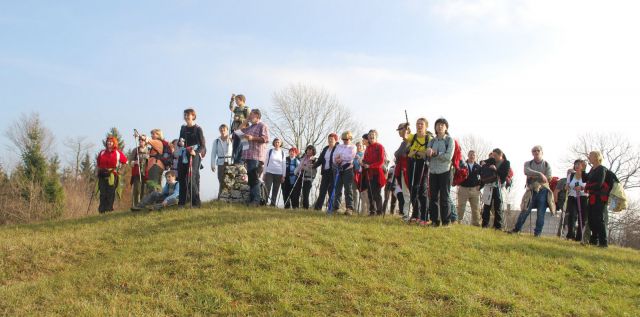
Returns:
(498, 215)
(539, 202)
(345, 180)
(189, 187)
(439, 187)
(253, 173)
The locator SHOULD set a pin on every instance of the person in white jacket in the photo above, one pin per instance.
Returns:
(222, 154)
(275, 169)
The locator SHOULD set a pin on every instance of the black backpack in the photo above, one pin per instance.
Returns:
(487, 174)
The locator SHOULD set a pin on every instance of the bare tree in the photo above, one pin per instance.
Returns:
(620, 156)
(78, 148)
(470, 142)
(303, 115)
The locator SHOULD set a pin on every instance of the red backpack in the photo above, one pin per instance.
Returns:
(460, 169)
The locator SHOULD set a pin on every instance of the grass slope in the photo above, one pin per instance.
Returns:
(232, 260)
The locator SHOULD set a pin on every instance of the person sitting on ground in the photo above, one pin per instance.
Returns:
(167, 197)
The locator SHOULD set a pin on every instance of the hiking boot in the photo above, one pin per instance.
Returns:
(136, 208)
(413, 220)
(348, 212)
(423, 223)
(514, 231)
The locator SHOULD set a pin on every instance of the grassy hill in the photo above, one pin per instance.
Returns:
(233, 260)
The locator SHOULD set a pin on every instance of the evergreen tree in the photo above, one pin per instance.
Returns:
(52, 188)
(115, 133)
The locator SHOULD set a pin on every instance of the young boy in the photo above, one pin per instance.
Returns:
(240, 115)
(158, 200)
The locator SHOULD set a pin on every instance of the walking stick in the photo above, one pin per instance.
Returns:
(564, 207)
(333, 192)
(93, 193)
(190, 174)
(294, 187)
(580, 221)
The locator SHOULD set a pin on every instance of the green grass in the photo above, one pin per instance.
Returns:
(231, 260)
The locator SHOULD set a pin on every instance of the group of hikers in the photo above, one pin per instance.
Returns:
(427, 165)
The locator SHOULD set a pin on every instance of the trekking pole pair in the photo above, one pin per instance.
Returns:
(295, 184)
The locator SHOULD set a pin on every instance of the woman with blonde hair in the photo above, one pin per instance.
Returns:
(598, 190)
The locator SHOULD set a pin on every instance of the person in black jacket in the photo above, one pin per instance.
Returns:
(499, 164)
(598, 190)
(469, 190)
(327, 172)
(195, 150)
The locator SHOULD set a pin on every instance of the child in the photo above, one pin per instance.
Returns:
(240, 115)
(159, 200)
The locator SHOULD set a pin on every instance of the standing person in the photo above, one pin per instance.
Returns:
(107, 164)
(538, 195)
(308, 172)
(343, 159)
(598, 190)
(374, 177)
(155, 165)
(274, 170)
(258, 136)
(189, 166)
(440, 150)
(325, 161)
(401, 173)
(139, 165)
(178, 146)
(576, 179)
(240, 115)
(469, 190)
(292, 185)
(357, 174)
(418, 170)
(362, 189)
(221, 155)
(499, 165)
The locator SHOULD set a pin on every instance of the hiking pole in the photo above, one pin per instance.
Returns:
(190, 174)
(578, 196)
(564, 207)
(333, 192)
(294, 186)
(93, 193)
(412, 194)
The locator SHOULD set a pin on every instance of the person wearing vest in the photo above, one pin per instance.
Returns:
(373, 175)
(274, 170)
(401, 172)
(292, 185)
(138, 163)
(500, 165)
(240, 115)
(257, 136)
(343, 162)
(157, 200)
(598, 191)
(222, 151)
(307, 171)
(325, 161)
(576, 179)
(469, 190)
(189, 165)
(107, 165)
(440, 151)
(538, 172)
(359, 199)
(155, 166)
(418, 171)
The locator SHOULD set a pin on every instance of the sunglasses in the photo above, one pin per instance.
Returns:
(534, 151)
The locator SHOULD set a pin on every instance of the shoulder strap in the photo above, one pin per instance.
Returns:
(269, 157)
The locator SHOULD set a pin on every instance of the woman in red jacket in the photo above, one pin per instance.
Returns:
(373, 175)
(108, 161)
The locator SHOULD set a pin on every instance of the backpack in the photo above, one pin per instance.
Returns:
(562, 192)
(617, 195)
(264, 195)
(167, 155)
(460, 170)
(487, 174)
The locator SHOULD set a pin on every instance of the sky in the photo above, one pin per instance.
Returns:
(514, 73)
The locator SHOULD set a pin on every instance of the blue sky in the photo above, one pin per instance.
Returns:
(482, 64)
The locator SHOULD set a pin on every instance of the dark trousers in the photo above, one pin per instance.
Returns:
(291, 193)
(254, 170)
(107, 193)
(574, 215)
(306, 191)
(326, 186)
(401, 202)
(389, 198)
(374, 192)
(498, 216)
(439, 187)
(597, 223)
(345, 181)
(189, 186)
(418, 174)
(236, 149)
